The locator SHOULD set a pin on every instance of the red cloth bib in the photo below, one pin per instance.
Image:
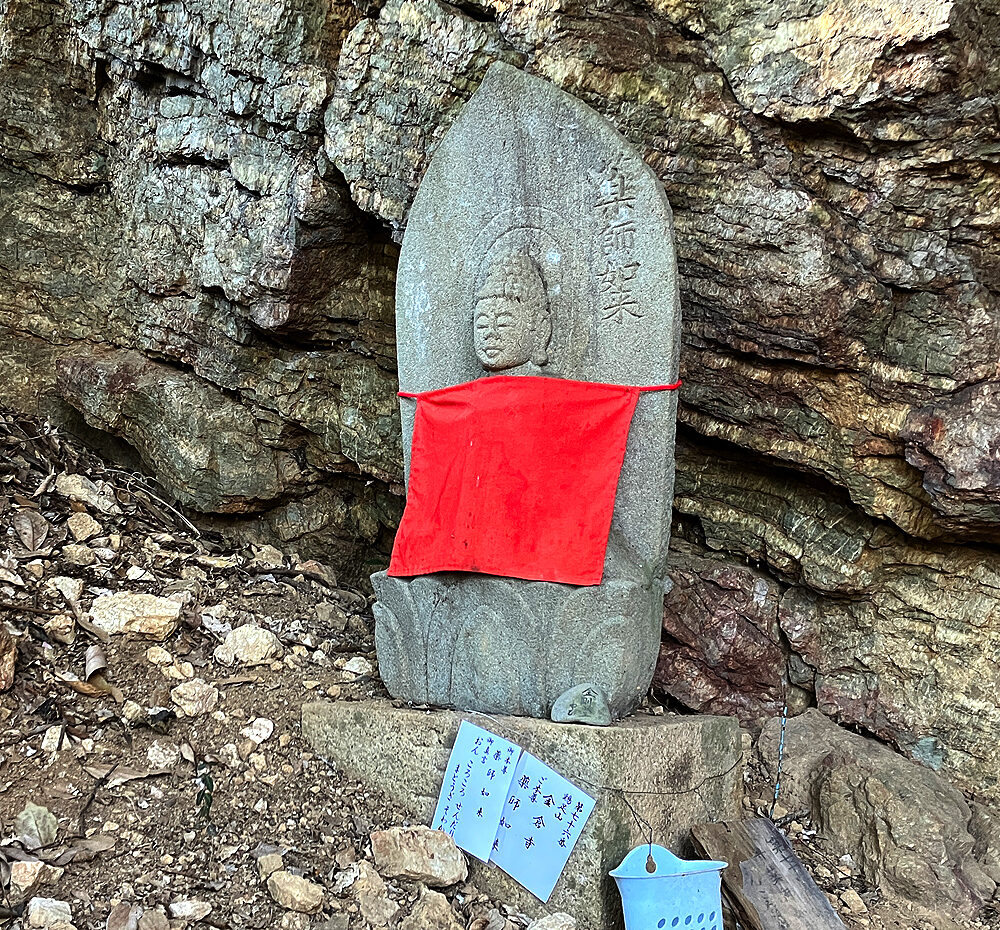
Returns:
(514, 476)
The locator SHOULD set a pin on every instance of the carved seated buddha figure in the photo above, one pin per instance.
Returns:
(547, 256)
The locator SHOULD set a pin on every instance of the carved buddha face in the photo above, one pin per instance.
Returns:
(511, 322)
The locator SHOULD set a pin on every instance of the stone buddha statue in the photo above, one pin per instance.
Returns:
(548, 253)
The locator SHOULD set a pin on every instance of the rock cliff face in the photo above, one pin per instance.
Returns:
(200, 205)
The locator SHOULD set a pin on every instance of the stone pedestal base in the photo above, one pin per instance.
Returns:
(675, 771)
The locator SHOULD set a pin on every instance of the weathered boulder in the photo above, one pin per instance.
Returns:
(722, 649)
(906, 828)
(896, 636)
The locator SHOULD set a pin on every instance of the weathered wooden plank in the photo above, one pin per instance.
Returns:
(767, 885)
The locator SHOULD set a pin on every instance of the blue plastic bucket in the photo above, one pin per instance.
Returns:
(678, 895)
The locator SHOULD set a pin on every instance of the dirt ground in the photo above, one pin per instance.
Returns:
(171, 812)
(152, 807)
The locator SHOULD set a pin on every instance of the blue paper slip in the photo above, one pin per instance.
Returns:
(475, 788)
(542, 819)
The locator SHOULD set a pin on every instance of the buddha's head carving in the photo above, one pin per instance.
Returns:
(512, 320)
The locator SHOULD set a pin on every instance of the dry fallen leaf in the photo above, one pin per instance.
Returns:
(31, 527)
(45, 484)
(35, 826)
(96, 687)
(124, 916)
(85, 850)
(120, 774)
(96, 661)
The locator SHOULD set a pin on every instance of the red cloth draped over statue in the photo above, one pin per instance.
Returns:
(514, 476)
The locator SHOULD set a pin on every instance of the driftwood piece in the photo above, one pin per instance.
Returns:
(766, 884)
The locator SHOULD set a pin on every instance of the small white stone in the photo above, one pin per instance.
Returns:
(78, 555)
(163, 755)
(62, 628)
(159, 656)
(420, 854)
(125, 612)
(853, 902)
(259, 730)
(359, 666)
(295, 893)
(83, 526)
(248, 645)
(53, 740)
(132, 711)
(48, 912)
(70, 588)
(195, 697)
(179, 671)
(189, 909)
(270, 863)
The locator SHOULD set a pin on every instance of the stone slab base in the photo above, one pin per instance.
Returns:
(675, 771)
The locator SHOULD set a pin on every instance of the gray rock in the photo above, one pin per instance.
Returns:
(294, 892)
(44, 913)
(573, 217)
(585, 703)
(698, 758)
(195, 697)
(906, 828)
(431, 912)
(419, 854)
(248, 645)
